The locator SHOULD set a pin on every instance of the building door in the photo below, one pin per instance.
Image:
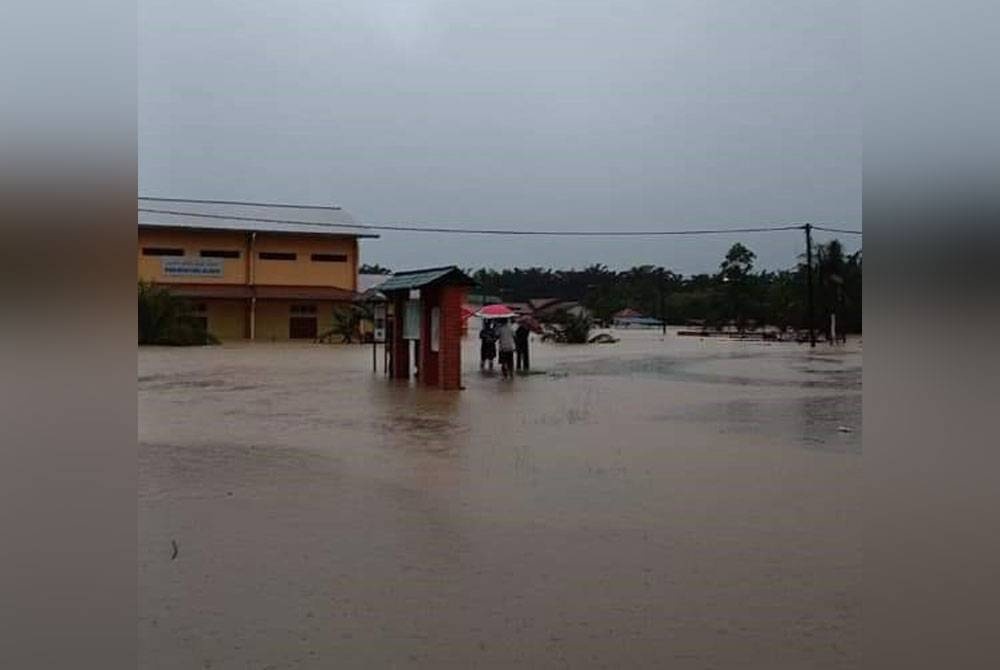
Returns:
(302, 328)
(302, 322)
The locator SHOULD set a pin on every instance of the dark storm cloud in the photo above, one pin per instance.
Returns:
(525, 114)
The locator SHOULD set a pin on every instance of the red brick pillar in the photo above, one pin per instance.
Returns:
(400, 347)
(450, 354)
(429, 367)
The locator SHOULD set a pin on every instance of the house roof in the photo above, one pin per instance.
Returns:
(369, 281)
(639, 320)
(173, 213)
(553, 306)
(541, 303)
(411, 279)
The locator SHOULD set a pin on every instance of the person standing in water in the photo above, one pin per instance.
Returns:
(505, 338)
(521, 342)
(488, 345)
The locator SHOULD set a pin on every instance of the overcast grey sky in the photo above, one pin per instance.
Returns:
(659, 114)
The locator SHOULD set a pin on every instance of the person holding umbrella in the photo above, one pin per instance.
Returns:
(487, 345)
(490, 314)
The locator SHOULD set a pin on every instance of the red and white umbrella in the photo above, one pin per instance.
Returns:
(496, 312)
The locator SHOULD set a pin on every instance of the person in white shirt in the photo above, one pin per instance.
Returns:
(505, 340)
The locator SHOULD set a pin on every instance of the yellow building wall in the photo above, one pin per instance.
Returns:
(273, 316)
(227, 319)
(303, 271)
(192, 242)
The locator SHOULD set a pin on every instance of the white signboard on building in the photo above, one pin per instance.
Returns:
(435, 328)
(411, 320)
(192, 267)
(378, 316)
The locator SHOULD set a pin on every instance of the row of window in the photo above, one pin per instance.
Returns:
(262, 255)
(201, 309)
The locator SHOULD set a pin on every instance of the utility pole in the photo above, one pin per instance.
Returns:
(663, 306)
(809, 282)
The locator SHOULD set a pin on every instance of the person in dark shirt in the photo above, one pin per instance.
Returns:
(521, 346)
(488, 345)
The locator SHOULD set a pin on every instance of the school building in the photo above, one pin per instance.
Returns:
(252, 271)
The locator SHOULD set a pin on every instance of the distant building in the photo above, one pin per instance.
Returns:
(630, 318)
(367, 282)
(264, 272)
(547, 308)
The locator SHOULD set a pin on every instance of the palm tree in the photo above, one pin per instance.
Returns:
(734, 272)
(830, 268)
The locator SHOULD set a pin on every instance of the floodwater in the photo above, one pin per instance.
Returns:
(659, 502)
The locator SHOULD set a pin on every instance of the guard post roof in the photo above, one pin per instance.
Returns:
(414, 279)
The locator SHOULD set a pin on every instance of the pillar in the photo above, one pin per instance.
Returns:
(430, 374)
(400, 346)
(450, 299)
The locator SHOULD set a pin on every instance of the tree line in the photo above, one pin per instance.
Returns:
(737, 294)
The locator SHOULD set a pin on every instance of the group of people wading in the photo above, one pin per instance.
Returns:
(500, 333)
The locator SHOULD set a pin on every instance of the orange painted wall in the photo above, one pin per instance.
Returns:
(303, 271)
(151, 267)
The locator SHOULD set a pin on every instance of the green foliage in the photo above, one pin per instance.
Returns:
(164, 319)
(737, 293)
(838, 287)
(373, 269)
(347, 322)
(570, 328)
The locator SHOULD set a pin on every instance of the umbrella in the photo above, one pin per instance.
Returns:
(496, 312)
(531, 323)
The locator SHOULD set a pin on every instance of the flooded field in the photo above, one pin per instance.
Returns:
(674, 502)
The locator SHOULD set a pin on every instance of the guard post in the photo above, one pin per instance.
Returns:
(427, 309)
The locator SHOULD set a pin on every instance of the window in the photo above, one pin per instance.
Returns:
(219, 253)
(303, 309)
(161, 251)
(199, 307)
(277, 256)
(330, 258)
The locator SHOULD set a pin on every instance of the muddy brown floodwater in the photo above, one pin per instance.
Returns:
(672, 503)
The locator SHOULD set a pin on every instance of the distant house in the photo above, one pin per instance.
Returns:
(627, 313)
(368, 293)
(480, 299)
(630, 318)
(547, 308)
(366, 282)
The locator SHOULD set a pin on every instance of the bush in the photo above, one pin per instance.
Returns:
(569, 328)
(347, 323)
(164, 319)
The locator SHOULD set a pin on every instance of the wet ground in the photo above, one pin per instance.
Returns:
(675, 502)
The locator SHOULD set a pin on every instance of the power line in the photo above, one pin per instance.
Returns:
(334, 208)
(837, 230)
(480, 231)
